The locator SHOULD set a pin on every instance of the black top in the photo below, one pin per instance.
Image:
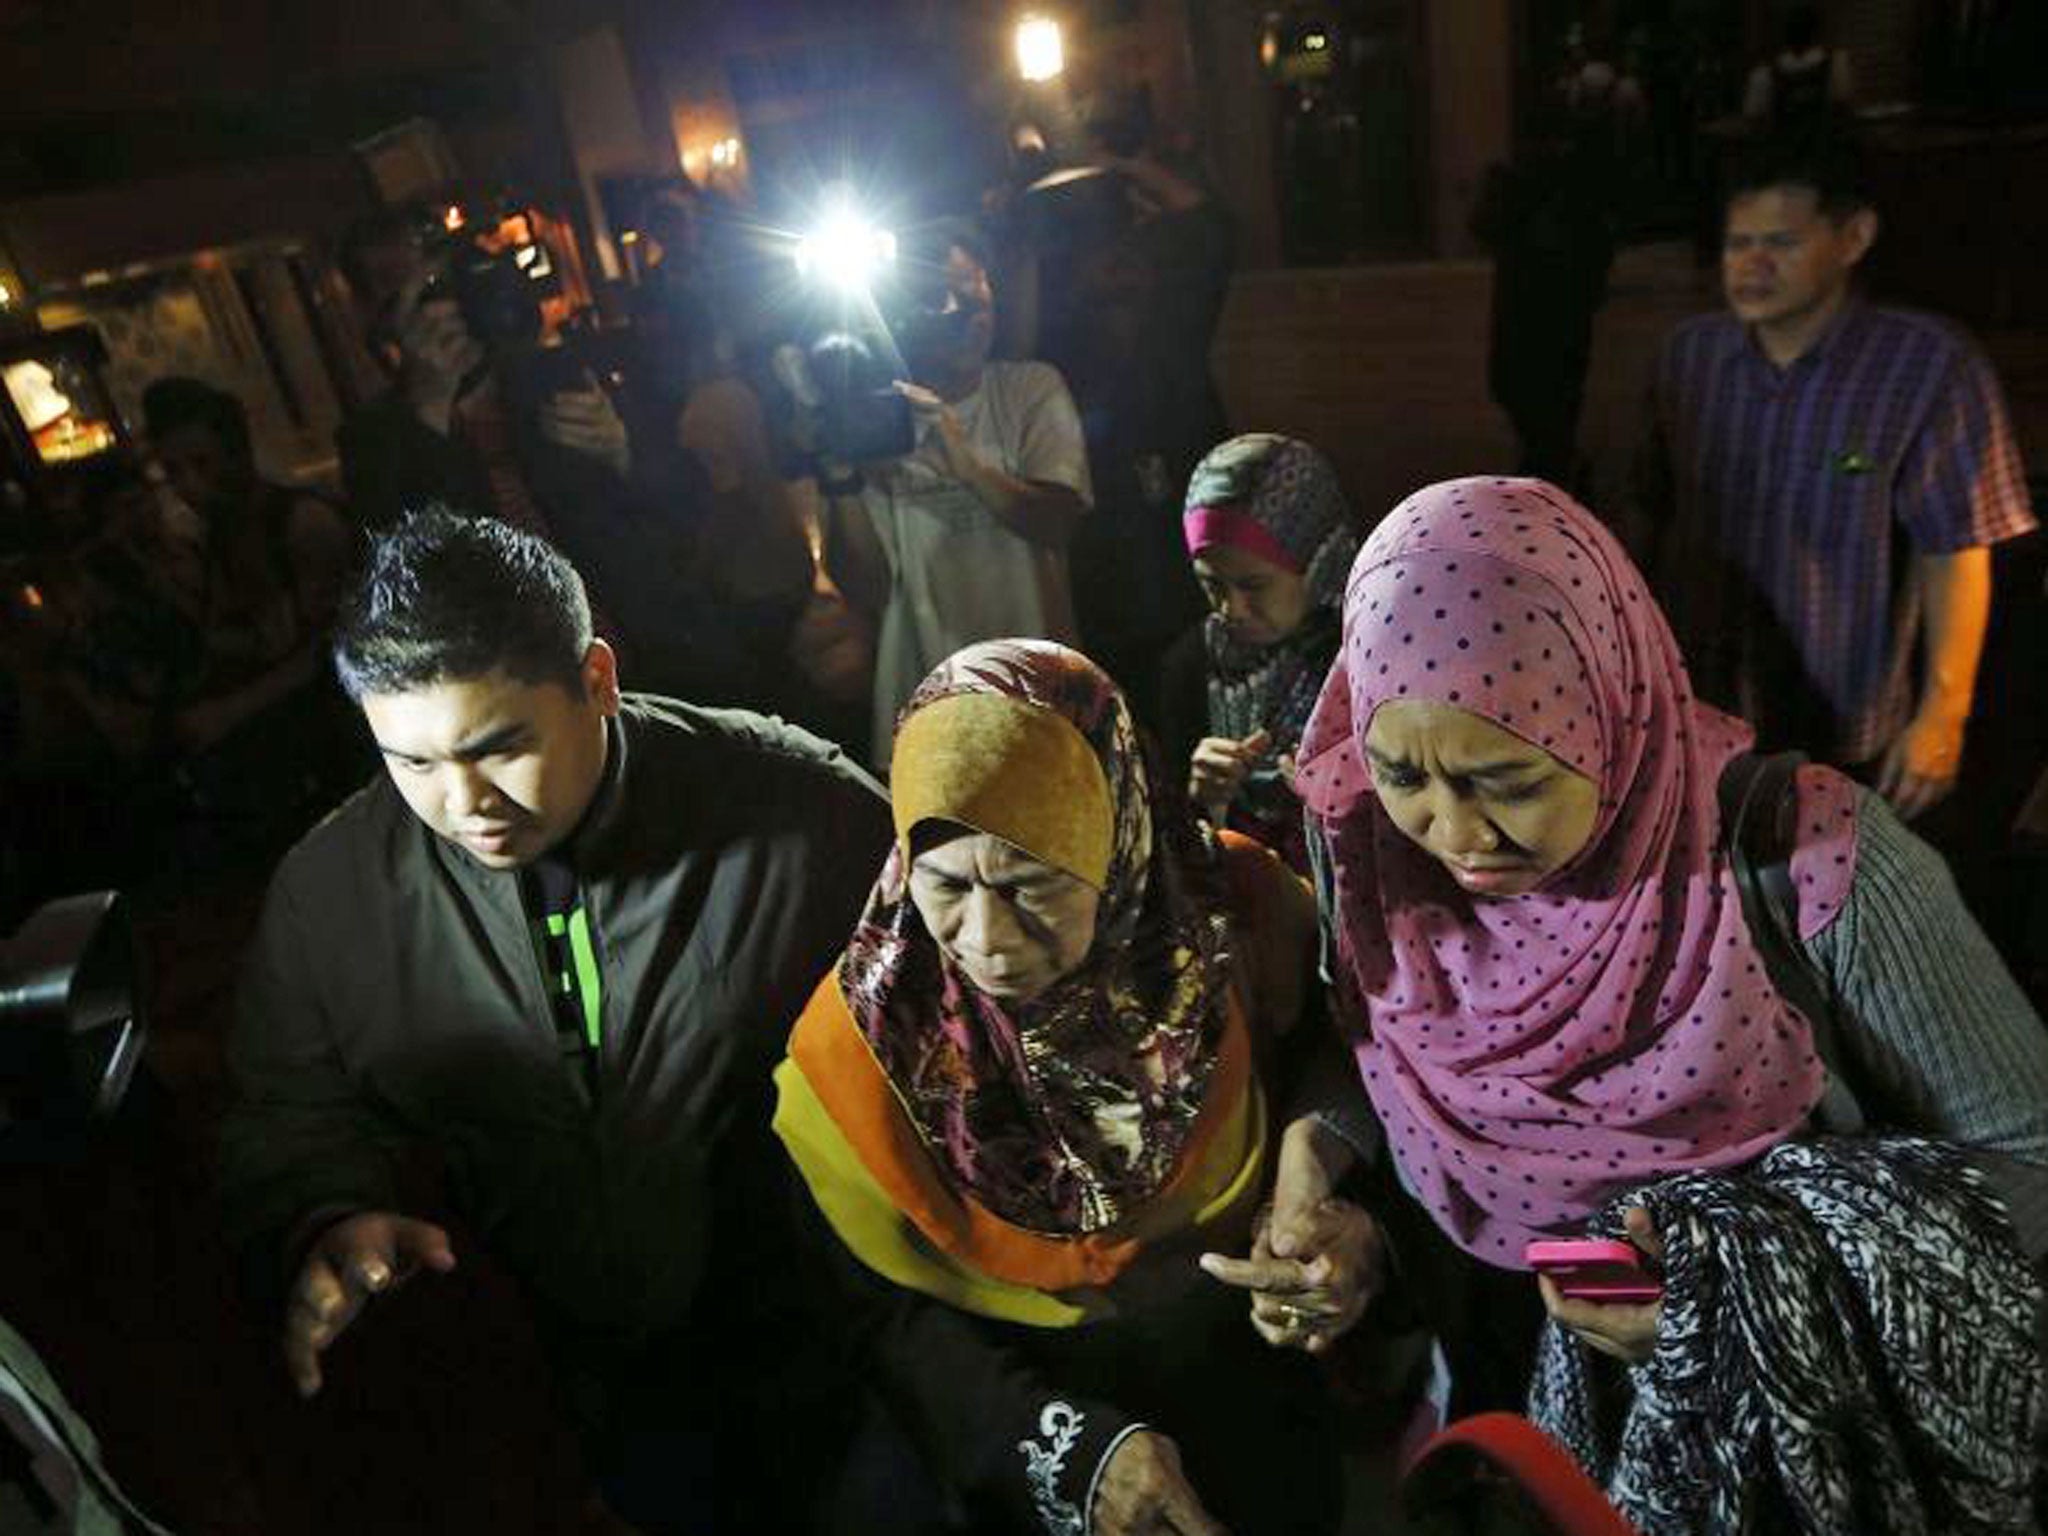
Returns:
(394, 997)
(1184, 698)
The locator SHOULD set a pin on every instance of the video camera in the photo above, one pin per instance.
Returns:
(841, 374)
(492, 263)
(494, 267)
(865, 310)
(71, 1031)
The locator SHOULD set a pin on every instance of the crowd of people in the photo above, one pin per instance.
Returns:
(924, 1078)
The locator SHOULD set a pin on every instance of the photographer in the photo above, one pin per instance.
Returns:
(966, 537)
(483, 416)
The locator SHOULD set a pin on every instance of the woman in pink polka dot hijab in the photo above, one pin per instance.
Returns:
(1565, 1026)
(1554, 991)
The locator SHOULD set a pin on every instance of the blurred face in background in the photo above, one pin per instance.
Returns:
(203, 469)
(965, 334)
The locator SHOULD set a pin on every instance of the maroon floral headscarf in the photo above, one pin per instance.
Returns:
(1065, 1114)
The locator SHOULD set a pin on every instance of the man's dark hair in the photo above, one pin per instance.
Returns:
(1827, 169)
(443, 597)
(1799, 27)
(175, 402)
(1120, 119)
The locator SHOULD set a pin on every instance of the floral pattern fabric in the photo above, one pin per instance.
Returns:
(1064, 1114)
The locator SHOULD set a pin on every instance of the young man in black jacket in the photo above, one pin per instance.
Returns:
(560, 945)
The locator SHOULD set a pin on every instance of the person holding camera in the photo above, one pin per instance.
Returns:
(442, 432)
(966, 537)
(482, 415)
(717, 315)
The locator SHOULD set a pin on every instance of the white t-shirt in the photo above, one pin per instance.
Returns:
(957, 575)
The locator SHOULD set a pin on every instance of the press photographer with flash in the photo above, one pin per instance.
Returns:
(488, 411)
(965, 537)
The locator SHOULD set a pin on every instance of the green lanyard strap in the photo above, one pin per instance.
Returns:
(574, 927)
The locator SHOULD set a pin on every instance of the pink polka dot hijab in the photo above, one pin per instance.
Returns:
(1533, 1057)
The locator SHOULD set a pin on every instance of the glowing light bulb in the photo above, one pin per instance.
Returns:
(1041, 53)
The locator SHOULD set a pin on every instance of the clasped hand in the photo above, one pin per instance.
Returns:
(1316, 1261)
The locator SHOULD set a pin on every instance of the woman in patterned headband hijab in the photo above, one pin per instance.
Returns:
(1271, 537)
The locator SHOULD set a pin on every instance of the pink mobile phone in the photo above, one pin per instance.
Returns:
(1595, 1269)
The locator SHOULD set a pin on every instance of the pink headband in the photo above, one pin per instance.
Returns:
(1206, 527)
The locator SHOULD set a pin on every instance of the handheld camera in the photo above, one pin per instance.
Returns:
(71, 1029)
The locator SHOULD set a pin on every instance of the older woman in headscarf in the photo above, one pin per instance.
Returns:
(1271, 537)
(1040, 1082)
(1570, 1008)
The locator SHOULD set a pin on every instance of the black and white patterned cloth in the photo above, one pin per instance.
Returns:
(1848, 1348)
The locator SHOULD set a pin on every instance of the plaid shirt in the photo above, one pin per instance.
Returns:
(1795, 499)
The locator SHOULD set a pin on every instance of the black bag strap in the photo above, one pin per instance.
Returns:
(1759, 829)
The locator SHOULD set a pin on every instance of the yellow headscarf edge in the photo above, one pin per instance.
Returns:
(1014, 770)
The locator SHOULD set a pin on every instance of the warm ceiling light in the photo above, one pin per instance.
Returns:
(1040, 53)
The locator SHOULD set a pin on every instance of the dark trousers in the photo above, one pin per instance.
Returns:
(1257, 1433)
(1486, 1320)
